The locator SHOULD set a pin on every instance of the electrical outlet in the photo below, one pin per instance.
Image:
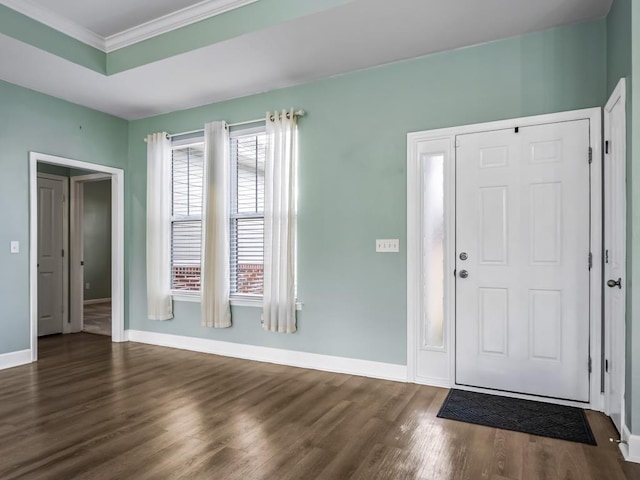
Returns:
(87, 286)
(387, 245)
(15, 246)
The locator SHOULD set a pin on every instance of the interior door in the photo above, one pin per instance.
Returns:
(50, 256)
(522, 266)
(614, 255)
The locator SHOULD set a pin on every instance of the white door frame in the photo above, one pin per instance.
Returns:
(66, 328)
(76, 256)
(414, 250)
(117, 241)
(617, 96)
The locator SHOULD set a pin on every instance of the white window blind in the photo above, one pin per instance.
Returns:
(247, 212)
(187, 172)
(247, 152)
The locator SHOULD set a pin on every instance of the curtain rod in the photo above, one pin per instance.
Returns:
(298, 113)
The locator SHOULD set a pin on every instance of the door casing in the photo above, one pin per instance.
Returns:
(414, 230)
(117, 242)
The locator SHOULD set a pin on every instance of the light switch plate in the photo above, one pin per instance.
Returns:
(15, 246)
(387, 245)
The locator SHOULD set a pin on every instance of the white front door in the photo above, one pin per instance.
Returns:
(50, 256)
(615, 214)
(522, 260)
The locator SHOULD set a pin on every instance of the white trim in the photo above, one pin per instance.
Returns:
(117, 242)
(91, 177)
(153, 28)
(235, 301)
(594, 115)
(619, 95)
(15, 359)
(65, 246)
(430, 381)
(327, 363)
(57, 22)
(96, 301)
(172, 21)
(630, 446)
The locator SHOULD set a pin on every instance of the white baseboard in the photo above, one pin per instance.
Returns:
(15, 359)
(328, 363)
(433, 382)
(631, 448)
(96, 300)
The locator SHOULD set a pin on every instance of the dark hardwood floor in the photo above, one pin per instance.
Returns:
(90, 409)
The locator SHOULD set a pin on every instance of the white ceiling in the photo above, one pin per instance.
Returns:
(360, 34)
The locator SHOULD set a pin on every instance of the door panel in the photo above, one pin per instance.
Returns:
(50, 301)
(615, 258)
(522, 218)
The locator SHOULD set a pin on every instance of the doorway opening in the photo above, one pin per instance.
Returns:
(72, 298)
(91, 251)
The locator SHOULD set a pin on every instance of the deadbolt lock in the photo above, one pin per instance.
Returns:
(463, 256)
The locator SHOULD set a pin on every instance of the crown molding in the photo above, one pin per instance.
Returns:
(57, 22)
(172, 21)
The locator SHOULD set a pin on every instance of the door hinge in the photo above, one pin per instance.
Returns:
(590, 155)
(589, 364)
(517, 129)
(63, 253)
(606, 366)
(606, 256)
(606, 147)
(590, 260)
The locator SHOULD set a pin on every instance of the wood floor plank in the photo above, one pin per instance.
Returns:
(91, 409)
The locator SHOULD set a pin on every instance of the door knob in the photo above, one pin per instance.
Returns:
(613, 283)
(464, 274)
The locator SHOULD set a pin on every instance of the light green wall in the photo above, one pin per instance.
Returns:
(30, 121)
(352, 177)
(97, 239)
(27, 30)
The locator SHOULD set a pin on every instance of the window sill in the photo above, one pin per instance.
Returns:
(236, 301)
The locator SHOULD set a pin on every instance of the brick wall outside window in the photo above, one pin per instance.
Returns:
(250, 277)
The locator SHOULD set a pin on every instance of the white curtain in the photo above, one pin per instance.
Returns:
(279, 308)
(215, 287)
(159, 304)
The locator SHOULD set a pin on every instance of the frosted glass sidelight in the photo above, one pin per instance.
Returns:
(433, 250)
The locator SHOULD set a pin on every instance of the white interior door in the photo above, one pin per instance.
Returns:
(522, 247)
(614, 255)
(50, 256)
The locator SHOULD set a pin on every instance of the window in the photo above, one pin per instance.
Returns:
(187, 173)
(247, 212)
(247, 156)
